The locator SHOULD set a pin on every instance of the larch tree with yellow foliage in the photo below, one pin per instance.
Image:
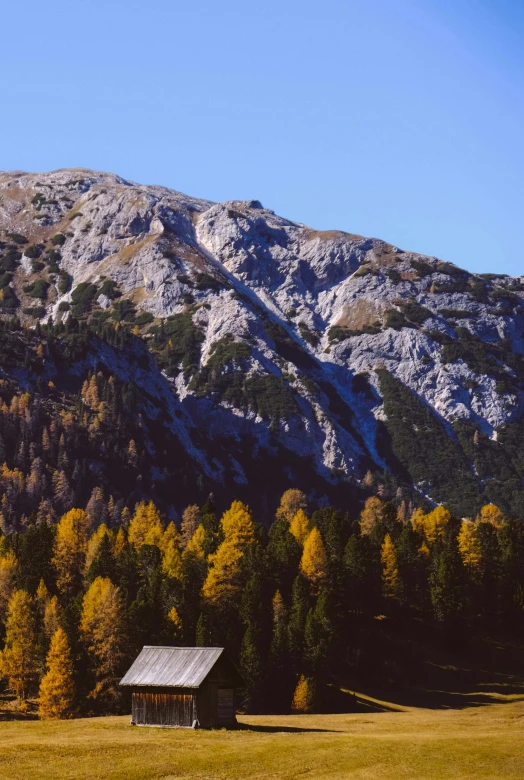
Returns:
(304, 696)
(19, 661)
(223, 583)
(8, 566)
(101, 627)
(57, 690)
(300, 527)
(145, 526)
(314, 562)
(491, 514)
(70, 550)
(292, 500)
(390, 576)
(469, 546)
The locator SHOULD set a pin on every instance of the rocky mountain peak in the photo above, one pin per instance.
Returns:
(266, 331)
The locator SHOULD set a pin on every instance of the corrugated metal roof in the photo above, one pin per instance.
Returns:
(180, 667)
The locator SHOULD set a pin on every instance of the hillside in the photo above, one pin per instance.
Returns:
(242, 353)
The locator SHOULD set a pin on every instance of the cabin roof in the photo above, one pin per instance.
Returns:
(178, 667)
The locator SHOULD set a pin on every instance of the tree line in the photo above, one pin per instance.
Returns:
(293, 604)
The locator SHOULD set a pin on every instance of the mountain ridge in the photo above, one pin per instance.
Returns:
(278, 339)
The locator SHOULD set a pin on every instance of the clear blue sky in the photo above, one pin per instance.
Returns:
(401, 119)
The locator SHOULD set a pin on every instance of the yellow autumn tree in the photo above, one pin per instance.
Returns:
(120, 542)
(292, 500)
(172, 561)
(190, 522)
(101, 628)
(8, 566)
(314, 561)
(93, 544)
(51, 617)
(491, 514)
(304, 696)
(176, 623)
(70, 549)
(170, 535)
(196, 545)
(57, 688)
(145, 526)
(300, 527)
(431, 526)
(223, 582)
(19, 658)
(469, 546)
(390, 576)
(374, 512)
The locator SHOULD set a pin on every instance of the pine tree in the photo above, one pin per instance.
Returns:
(19, 659)
(304, 696)
(362, 575)
(297, 619)
(57, 690)
(314, 562)
(300, 527)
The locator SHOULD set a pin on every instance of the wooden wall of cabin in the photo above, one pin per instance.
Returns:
(163, 707)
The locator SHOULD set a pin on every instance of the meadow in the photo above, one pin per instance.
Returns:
(382, 742)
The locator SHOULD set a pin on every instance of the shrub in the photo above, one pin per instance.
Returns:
(38, 289)
(205, 281)
(33, 251)
(58, 239)
(37, 266)
(415, 312)
(65, 281)
(64, 306)
(123, 311)
(395, 319)
(144, 318)
(394, 275)
(423, 269)
(110, 289)
(18, 238)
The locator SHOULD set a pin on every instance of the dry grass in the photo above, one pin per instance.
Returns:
(408, 743)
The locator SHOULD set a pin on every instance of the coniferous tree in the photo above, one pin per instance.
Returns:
(56, 695)
(19, 659)
(314, 562)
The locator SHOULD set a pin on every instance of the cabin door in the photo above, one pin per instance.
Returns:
(226, 706)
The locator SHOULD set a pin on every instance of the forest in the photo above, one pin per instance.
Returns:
(301, 604)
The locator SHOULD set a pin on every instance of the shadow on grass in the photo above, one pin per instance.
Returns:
(280, 729)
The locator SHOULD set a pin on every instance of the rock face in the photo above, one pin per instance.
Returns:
(271, 339)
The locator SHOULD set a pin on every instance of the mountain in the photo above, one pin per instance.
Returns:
(250, 353)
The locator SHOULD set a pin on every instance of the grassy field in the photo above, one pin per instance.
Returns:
(485, 741)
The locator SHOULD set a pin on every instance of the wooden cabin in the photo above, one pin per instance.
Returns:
(183, 687)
